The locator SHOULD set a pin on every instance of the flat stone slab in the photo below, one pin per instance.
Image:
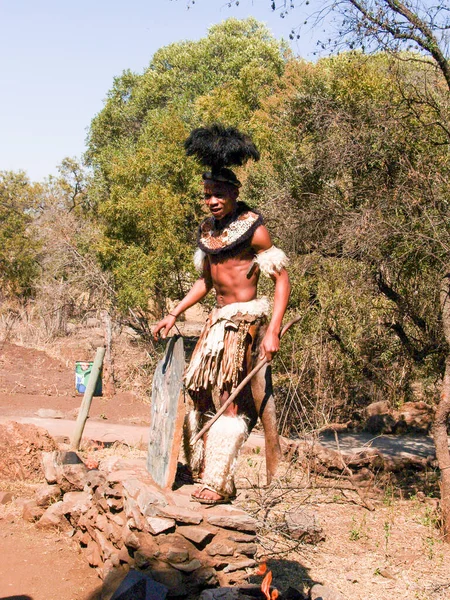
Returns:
(241, 537)
(192, 565)
(49, 413)
(180, 514)
(148, 499)
(221, 549)
(231, 518)
(120, 476)
(159, 524)
(197, 534)
(237, 565)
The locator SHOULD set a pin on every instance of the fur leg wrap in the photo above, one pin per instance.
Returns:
(193, 422)
(224, 441)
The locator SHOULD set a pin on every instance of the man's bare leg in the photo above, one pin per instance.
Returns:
(261, 385)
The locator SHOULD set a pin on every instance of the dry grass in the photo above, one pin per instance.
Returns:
(394, 551)
(134, 359)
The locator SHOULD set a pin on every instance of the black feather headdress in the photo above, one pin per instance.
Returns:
(219, 147)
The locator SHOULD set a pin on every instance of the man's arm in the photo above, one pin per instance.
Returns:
(261, 242)
(197, 292)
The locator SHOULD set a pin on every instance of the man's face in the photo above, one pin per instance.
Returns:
(220, 198)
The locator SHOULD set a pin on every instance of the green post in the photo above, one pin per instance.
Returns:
(87, 399)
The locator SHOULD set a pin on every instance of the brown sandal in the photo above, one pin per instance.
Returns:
(225, 499)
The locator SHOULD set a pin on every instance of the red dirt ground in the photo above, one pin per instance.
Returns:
(35, 564)
(41, 566)
(30, 380)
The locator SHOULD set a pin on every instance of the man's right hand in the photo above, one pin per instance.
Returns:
(164, 326)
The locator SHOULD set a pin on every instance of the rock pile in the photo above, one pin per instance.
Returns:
(120, 519)
(410, 417)
(20, 448)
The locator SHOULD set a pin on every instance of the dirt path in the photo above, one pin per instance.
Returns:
(390, 445)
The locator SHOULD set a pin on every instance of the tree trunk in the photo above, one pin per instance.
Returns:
(442, 416)
(108, 364)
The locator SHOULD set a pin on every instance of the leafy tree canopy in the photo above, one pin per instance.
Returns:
(356, 186)
(145, 189)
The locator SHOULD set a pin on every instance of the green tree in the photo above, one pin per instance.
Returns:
(357, 189)
(19, 247)
(145, 189)
(395, 25)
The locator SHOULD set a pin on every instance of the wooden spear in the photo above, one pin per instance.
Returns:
(240, 387)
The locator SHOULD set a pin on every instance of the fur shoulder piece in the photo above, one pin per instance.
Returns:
(271, 261)
(214, 238)
(199, 258)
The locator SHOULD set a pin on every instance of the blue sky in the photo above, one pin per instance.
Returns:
(59, 57)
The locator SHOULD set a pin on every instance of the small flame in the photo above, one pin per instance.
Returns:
(265, 586)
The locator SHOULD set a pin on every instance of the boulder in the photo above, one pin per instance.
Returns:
(130, 538)
(93, 555)
(94, 479)
(73, 477)
(135, 518)
(31, 512)
(76, 503)
(304, 526)
(198, 535)
(54, 517)
(147, 552)
(168, 576)
(204, 577)
(49, 467)
(47, 494)
(5, 497)
(414, 417)
(377, 408)
(176, 549)
(228, 517)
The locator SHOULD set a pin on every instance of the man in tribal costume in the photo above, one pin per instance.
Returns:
(234, 247)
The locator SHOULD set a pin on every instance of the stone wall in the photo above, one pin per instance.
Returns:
(121, 520)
